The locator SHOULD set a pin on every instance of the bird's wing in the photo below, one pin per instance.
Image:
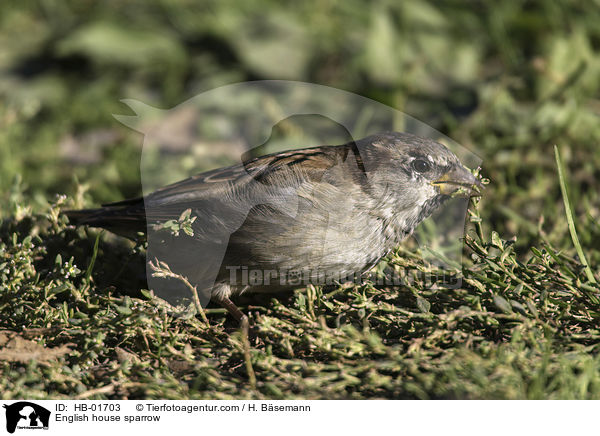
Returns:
(245, 182)
(226, 193)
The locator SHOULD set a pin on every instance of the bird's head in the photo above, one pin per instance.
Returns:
(418, 172)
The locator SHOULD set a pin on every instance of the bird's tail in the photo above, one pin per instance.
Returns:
(85, 216)
(126, 219)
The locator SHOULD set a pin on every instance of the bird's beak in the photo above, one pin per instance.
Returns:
(455, 179)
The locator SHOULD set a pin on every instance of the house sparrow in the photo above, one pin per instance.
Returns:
(292, 218)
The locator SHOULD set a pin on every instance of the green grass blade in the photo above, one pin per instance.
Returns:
(90, 268)
(570, 221)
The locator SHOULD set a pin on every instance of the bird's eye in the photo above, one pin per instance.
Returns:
(421, 166)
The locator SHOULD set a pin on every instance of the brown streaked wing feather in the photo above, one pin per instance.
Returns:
(171, 200)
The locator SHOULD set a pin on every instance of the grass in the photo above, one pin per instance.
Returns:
(506, 80)
(569, 213)
(515, 329)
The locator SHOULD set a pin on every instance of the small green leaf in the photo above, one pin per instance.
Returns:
(301, 301)
(537, 252)
(327, 304)
(518, 307)
(121, 310)
(423, 305)
(497, 241)
(505, 253)
(185, 215)
(502, 304)
(532, 308)
(59, 289)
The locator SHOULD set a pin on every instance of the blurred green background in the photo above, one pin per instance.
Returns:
(506, 80)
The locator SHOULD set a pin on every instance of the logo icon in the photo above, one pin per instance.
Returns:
(26, 415)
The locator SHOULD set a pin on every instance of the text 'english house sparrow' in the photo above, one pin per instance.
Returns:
(292, 218)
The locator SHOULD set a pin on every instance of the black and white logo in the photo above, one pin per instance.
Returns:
(25, 415)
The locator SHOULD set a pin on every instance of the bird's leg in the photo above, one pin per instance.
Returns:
(233, 310)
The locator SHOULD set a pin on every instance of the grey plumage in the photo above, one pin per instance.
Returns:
(324, 211)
